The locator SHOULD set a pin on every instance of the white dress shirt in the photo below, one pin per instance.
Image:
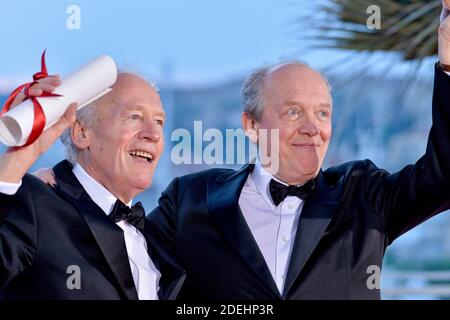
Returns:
(273, 227)
(145, 275)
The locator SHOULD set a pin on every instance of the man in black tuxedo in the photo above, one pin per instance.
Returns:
(83, 239)
(291, 230)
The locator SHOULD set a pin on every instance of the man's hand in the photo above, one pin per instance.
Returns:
(444, 34)
(48, 84)
(15, 162)
(46, 175)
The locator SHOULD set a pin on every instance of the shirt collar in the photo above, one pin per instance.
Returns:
(98, 193)
(262, 180)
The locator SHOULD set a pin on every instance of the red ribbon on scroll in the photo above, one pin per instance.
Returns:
(39, 116)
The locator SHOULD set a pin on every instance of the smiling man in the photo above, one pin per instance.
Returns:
(299, 108)
(83, 239)
(301, 232)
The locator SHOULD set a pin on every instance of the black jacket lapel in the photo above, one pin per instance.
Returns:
(108, 235)
(222, 198)
(315, 217)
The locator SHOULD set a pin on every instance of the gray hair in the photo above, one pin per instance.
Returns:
(88, 116)
(251, 93)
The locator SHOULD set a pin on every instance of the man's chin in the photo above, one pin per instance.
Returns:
(141, 184)
(309, 172)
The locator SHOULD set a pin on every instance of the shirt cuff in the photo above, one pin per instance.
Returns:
(9, 188)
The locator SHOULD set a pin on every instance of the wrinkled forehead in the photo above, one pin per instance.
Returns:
(295, 71)
(296, 80)
(131, 91)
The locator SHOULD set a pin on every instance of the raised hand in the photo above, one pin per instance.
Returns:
(48, 84)
(46, 175)
(16, 161)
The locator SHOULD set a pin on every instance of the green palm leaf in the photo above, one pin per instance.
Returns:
(408, 27)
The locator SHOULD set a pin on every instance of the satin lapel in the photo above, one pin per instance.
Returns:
(222, 199)
(108, 235)
(316, 215)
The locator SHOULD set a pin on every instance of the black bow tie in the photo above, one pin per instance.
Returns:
(134, 215)
(279, 191)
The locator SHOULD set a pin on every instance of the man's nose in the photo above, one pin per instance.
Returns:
(150, 131)
(309, 127)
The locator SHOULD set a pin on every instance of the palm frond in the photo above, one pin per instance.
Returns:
(408, 27)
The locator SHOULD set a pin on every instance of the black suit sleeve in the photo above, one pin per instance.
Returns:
(18, 233)
(417, 192)
(164, 217)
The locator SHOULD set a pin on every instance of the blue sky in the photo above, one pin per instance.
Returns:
(198, 40)
(188, 42)
(201, 41)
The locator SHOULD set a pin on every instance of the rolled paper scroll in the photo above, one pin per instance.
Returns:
(83, 86)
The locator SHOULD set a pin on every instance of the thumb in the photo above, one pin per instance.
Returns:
(59, 127)
(66, 120)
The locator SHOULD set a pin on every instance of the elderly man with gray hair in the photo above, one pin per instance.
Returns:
(83, 239)
(300, 232)
(295, 231)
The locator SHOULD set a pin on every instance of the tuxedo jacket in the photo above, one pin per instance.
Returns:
(45, 231)
(354, 213)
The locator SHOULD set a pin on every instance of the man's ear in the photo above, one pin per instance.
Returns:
(81, 137)
(249, 125)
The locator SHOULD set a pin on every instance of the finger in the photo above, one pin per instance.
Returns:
(35, 92)
(65, 122)
(69, 116)
(39, 173)
(54, 80)
(38, 88)
(51, 134)
(50, 177)
(47, 84)
(46, 175)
